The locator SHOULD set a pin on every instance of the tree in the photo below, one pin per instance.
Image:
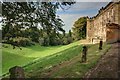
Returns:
(70, 33)
(79, 29)
(33, 33)
(19, 16)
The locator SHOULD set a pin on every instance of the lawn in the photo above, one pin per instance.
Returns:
(50, 61)
(75, 70)
(38, 60)
(12, 57)
(78, 70)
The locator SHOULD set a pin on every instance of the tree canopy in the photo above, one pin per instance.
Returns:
(21, 19)
(79, 28)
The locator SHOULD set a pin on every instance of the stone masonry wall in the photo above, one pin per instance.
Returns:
(96, 27)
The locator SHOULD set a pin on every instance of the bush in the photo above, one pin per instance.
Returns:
(21, 41)
(65, 41)
(41, 41)
(70, 40)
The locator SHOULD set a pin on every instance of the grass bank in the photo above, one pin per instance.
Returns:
(12, 57)
(75, 70)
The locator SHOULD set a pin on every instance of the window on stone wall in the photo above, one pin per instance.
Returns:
(108, 14)
(114, 17)
(112, 12)
(107, 20)
(90, 28)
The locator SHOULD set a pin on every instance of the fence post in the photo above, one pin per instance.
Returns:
(100, 45)
(84, 54)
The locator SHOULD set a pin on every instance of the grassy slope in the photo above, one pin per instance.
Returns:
(50, 56)
(78, 69)
(75, 70)
(12, 57)
(49, 61)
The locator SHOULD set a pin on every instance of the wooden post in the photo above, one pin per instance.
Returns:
(84, 54)
(100, 45)
(17, 73)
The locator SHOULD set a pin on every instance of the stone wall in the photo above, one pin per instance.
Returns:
(119, 13)
(109, 14)
(90, 31)
(113, 32)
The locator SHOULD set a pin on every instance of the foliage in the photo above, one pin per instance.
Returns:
(19, 41)
(33, 33)
(79, 29)
(67, 38)
(21, 19)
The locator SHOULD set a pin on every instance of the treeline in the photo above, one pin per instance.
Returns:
(33, 35)
(27, 23)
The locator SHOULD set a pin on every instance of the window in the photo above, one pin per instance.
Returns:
(112, 12)
(108, 14)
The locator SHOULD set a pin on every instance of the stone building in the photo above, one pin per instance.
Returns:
(105, 25)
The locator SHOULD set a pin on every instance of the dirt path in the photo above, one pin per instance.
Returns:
(107, 67)
(61, 65)
(54, 69)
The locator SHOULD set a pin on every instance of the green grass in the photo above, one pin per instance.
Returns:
(78, 70)
(38, 59)
(12, 57)
(51, 61)
(75, 70)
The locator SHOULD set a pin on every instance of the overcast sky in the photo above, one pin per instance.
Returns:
(78, 10)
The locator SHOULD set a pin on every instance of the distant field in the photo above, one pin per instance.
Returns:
(12, 57)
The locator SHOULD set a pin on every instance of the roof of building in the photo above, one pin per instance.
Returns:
(104, 8)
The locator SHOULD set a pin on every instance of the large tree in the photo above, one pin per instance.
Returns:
(79, 28)
(17, 16)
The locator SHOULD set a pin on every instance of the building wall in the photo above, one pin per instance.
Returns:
(90, 31)
(113, 35)
(110, 14)
(119, 13)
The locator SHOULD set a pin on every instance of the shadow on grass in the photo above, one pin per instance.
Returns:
(10, 60)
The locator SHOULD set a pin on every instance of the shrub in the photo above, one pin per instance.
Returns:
(41, 41)
(70, 40)
(21, 41)
(65, 41)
